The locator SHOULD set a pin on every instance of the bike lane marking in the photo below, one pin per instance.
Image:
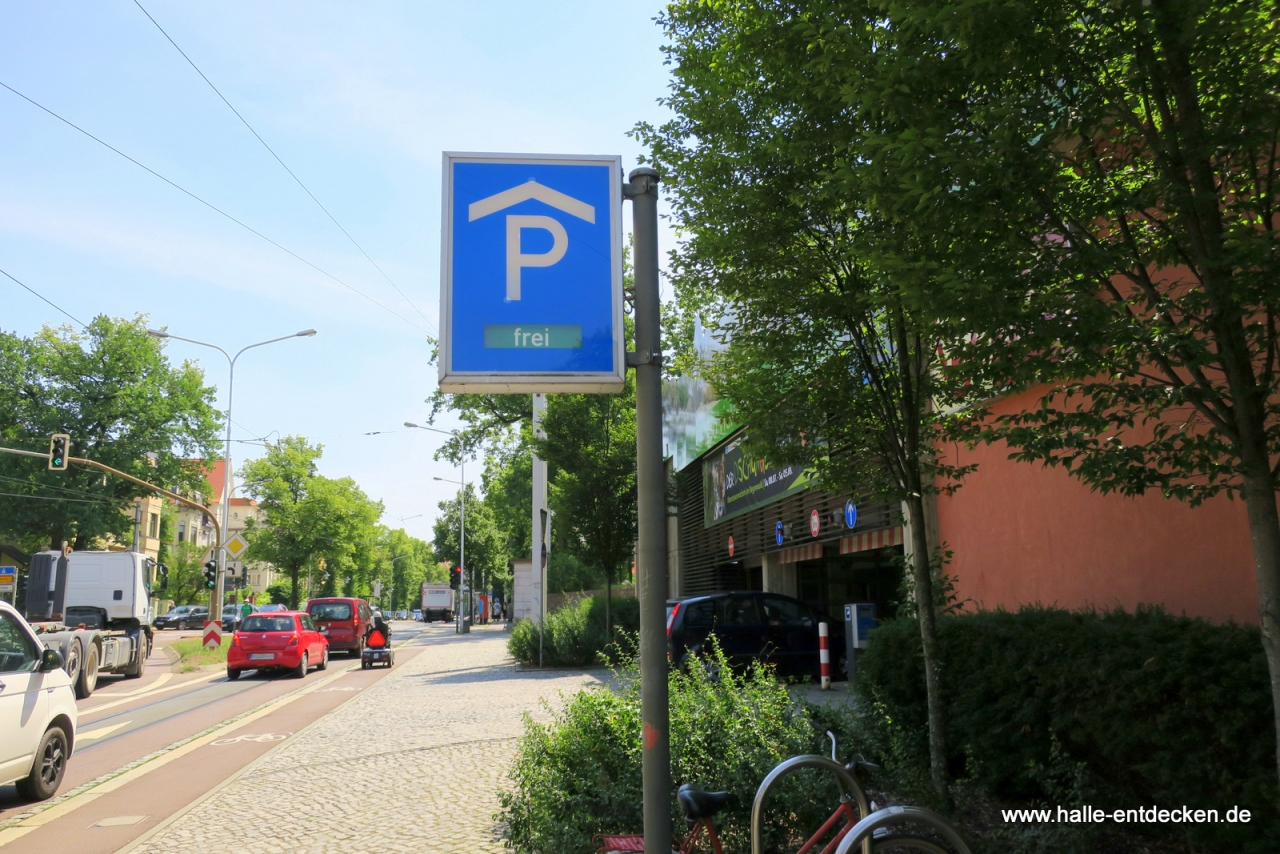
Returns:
(173, 787)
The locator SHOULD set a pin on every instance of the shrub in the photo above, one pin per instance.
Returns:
(1123, 709)
(574, 635)
(580, 774)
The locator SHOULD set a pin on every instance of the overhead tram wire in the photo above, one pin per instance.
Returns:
(210, 206)
(283, 165)
(40, 297)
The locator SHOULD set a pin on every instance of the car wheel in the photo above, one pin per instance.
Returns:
(88, 680)
(301, 670)
(48, 768)
(324, 660)
(359, 650)
(232, 675)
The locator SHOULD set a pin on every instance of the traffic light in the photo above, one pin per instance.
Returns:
(58, 445)
(211, 575)
(455, 578)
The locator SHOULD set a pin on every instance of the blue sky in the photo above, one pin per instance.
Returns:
(359, 99)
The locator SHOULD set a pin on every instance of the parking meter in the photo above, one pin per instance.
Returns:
(859, 620)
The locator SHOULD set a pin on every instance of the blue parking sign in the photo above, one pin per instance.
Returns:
(531, 274)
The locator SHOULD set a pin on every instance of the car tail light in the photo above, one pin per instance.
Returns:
(671, 620)
(293, 641)
(235, 638)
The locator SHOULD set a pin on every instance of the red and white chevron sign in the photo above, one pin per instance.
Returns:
(212, 635)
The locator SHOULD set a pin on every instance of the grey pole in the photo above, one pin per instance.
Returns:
(642, 190)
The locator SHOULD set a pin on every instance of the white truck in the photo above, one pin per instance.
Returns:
(437, 602)
(95, 608)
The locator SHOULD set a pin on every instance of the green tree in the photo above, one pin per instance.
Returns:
(122, 402)
(590, 451)
(1101, 177)
(186, 573)
(1088, 189)
(487, 554)
(310, 518)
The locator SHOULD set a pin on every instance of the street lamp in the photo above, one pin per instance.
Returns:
(462, 625)
(215, 600)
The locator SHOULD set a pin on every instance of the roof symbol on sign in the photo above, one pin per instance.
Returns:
(516, 260)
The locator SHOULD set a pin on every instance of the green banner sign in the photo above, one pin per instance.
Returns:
(733, 484)
(537, 337)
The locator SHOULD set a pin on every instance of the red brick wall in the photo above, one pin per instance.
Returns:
(1025, 534)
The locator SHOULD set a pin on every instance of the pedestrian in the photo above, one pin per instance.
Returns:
(246, 609)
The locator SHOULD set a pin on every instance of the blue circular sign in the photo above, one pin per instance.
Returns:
(850, 514)
(777, 533)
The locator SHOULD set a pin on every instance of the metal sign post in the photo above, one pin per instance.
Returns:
(651, 552)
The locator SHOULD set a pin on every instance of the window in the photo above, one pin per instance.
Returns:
(741, 611)
(259, 623)
(330, 610)
(784, 612)
(154, 528)
(182, 532)
(18, 653)
(700, 614)
(307, 624)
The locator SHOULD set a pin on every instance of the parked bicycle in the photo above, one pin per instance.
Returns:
(699, 808)
(855, 824)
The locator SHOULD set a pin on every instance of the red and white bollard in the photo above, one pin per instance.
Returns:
(824, 657)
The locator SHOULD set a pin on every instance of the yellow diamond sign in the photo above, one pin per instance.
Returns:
(235, 545)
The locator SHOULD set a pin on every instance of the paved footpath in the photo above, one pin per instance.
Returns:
(414, 763)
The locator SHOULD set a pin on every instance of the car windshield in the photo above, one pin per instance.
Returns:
(260, 623)
(329, 610)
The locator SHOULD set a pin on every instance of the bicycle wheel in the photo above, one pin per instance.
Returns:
(907, 845)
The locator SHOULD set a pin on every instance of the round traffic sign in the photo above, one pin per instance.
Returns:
(815, 523)
(850, 514)
(777, 533)
(731, 547)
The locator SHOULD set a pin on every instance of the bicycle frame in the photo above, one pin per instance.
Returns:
(855, 799)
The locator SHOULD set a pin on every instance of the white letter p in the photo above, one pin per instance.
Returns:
(517, 260)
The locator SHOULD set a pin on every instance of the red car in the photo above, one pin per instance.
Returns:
(281, 640)
(343, 620)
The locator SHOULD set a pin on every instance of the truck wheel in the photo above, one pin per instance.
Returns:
(75, 659)
(138, 666)
(87, 681)
(48, 768)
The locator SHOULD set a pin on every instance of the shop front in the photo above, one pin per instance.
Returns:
(745, 525)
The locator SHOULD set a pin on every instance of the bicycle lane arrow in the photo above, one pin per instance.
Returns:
(168, 787)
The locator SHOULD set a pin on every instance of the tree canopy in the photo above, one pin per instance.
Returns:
(123, 403)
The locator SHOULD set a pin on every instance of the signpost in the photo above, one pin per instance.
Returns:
(531, 301)
(236, 545)
(9, 582)
(531, 274)
(850, 514)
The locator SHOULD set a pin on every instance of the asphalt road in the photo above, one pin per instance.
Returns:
(126, 720)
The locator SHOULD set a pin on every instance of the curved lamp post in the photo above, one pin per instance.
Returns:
(461, 625)
(215, 599)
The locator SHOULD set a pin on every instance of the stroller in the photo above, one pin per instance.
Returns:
(377, 646)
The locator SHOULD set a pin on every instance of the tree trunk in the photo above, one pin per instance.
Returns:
(922, 580)
(293, 588)
(608, 604)
(1264, 528)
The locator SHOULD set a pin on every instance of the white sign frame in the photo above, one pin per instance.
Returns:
(454, 381)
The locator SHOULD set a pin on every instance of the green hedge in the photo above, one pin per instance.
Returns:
(580, 774)
(575, 634)
(1122, 709)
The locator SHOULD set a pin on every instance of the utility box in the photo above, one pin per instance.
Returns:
(859, 620)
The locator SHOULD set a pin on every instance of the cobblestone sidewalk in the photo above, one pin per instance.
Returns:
(413, 764)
